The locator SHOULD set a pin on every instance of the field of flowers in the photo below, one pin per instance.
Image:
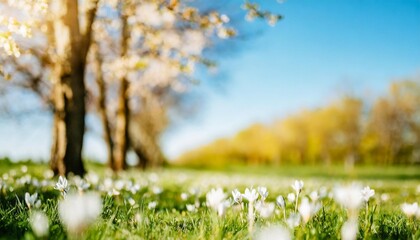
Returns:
(193, 204)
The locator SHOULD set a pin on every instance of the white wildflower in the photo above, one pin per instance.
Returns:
(263, 192)
(131, 201)
(349, 230)
(314, 196)
(152, 205)
(265, 209)
(32, 200)
(307, 210)
(62, 186)
(349, 196)
(297, 186)
(215, 197)
(291, 197)
(410, 209)
(293, 220)
(78, 211)
(237, 196)
(250, 194)
(191, 208)
(184, 196)
(280, 201)
(277, 232)
(222, 207)
(384, 197)
(157, 190)
(367, 193)
(39, 223)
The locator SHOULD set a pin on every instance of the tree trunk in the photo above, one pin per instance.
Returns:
(102, 108)
(147, 150)
(123, 113)
(69, 90)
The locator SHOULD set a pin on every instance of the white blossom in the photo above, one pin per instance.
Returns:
(250, 194)
(148, 14)
(297, 186)
(276, 232)
(367, 193)
(196, 42)
(191, 208)
(152, 205)
(291, 197)
(265, 209)
(307, 209)
(263, 192)
(280, 201)
(62, 185)
(39, 223)
(314, 196)
(215, 197)
(349, 230)
(32, 200)
(222, 207)
(348, 196)
(410, 209)
(293, 220)
(78, 211)
(237, 196)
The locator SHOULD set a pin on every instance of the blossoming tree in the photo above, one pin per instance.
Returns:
(140, 48)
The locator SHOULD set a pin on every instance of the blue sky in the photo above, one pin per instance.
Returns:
(320, 50)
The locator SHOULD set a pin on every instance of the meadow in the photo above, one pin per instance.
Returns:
(309, 202)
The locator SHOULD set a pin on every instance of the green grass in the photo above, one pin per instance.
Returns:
(171, 219)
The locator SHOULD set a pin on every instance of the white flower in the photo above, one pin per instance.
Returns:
(191, 208)
(367, 193)
(250, 195)
(222, 207)
(280, 201)
(274, 233)
(291, 197)
(79, 211)
(184, 196)
(410, 209)
(224, 18)
(314, 196)
(384, 197)
(215, 197)
(157, 190)
(62, 185)
(196, 42)
(349, 196)
(237, 196)
(39, 223)
(349, 230)
(131, 201)
(265, 209)
(81, 184)
(263, 192)
(31, 200)
(297, 186)
(152, 205)
(272, 20)
(92, 178)
(293, 220)
(148, 14)
(168, 17)
(307, 209)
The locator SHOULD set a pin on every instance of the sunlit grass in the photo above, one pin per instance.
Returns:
(129, 214)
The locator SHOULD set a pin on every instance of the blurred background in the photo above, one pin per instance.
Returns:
(330, 83)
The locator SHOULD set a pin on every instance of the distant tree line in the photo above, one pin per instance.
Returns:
(347, 131)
